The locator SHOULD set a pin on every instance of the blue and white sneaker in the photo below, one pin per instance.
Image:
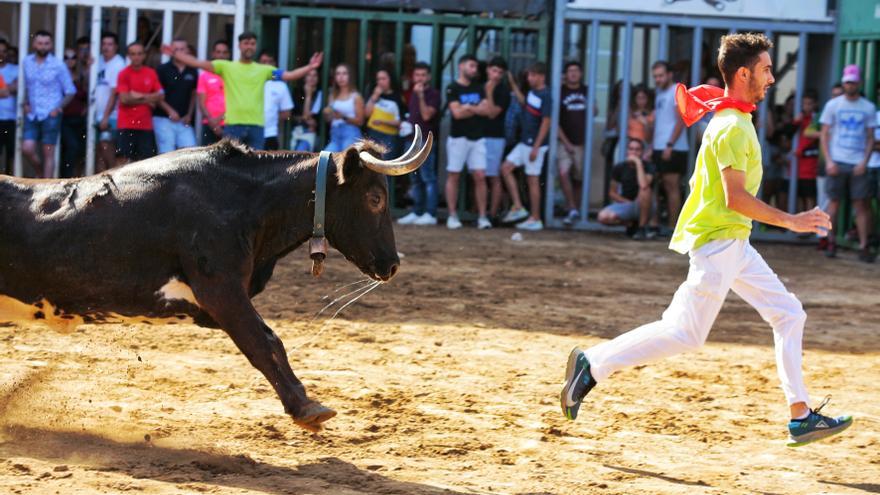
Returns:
(816, 426)
(578, 383)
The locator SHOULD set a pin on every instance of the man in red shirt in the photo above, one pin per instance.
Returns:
(139, 92)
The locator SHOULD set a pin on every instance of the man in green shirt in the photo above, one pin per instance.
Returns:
(243, 82)
(714, 228)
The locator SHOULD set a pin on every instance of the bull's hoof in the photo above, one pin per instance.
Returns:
(312, 415)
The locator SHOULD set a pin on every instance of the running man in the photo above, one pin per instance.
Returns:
(714, 228)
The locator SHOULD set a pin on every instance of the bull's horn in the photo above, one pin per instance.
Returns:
(398, 167)
(413, 148)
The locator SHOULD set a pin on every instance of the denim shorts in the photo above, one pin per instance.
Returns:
(45, 131)
(110, 133)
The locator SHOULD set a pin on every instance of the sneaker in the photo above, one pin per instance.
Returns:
(515, 216)
(453, 223)
(816, 426)
(823, 244)
(866, 255)
(571, 218)
(483, 223)
(831, 250)
(641, 234)
(426, 219)
(408, 219)
(531, 225)
(578, 383)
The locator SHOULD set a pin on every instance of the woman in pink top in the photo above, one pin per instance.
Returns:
(212, 102)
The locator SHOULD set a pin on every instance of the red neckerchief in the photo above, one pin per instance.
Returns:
(694, 103)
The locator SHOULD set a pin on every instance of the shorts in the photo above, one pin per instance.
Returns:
(136, 144)
(806, 188)
(171, 135)
(461, 151)
(626, 212)
(573, 162)
(519, 156)
(494, 155)
(110, 133)
(859, 186)
(45, 131)
(676, 165)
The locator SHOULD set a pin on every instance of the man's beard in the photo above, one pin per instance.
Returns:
(756, 91)
(42, 53)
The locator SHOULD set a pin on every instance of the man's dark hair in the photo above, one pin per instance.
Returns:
(111, 35)
(467, 57)
(83, 40)
(837, 86)
(498, 62)
(740, 50)
(4, 42)
(220, 42)
(636, 140)
(267, 53)
(811, 94)
(247, 35)
(661, 63)
(43, 32)
(422, 66)
(538, 68)
(134, 43)
(574, 63)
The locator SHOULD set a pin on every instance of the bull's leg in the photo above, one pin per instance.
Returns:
(232, 310)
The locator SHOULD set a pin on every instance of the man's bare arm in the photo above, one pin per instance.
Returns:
(738, 199)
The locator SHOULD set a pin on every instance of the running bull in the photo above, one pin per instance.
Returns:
(192, 236)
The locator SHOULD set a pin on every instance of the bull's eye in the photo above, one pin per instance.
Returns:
(375, 201)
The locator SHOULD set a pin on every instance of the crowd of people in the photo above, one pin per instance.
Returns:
(499, 128)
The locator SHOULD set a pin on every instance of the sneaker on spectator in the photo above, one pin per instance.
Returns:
(823, 244)
(425, 219)
(653, 232)
(866, 255)
(514, 216)
(483, 223)
(531, 225)
(453, 223)
(408, 219)
(571, 218)
(831, 250)
(641, 234)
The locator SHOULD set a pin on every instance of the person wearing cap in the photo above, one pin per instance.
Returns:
(848, 123)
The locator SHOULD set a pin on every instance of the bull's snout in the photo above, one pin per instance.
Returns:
(386, 272)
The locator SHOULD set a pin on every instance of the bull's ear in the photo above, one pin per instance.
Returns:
(348, 165)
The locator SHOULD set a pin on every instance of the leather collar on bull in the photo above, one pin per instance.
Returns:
(318, 243)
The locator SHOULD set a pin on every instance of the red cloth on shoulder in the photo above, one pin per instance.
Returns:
(696, 102)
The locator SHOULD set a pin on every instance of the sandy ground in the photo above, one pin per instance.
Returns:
(446, 382)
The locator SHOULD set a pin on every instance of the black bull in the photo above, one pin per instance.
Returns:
(191, 236)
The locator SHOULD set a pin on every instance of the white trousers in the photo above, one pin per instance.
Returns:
(715, 268)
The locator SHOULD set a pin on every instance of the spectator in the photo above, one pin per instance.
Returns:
(9, 73)
(572, 135)
(497, 103)
(874, 169)
(149, 39)
(212, 101)
(173, 115)
(424, 111)
(807, 152)
(530, 151)
(466, 144)
(139, 93)
(73, 118)
(243, 85)
(345, 110)
(641, 116)
(48, 90)
(110, 64)
(669, 140)
(277, 105)
(847, 142)
(631, 191)
(611, 136)
(308, 100)
(836, 90)
(84, 53)
(385, 111)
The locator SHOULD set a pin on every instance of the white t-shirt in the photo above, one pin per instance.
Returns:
(874, 162)
(108, 73)
(849, 121)
(665, 118)
(276, 100)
